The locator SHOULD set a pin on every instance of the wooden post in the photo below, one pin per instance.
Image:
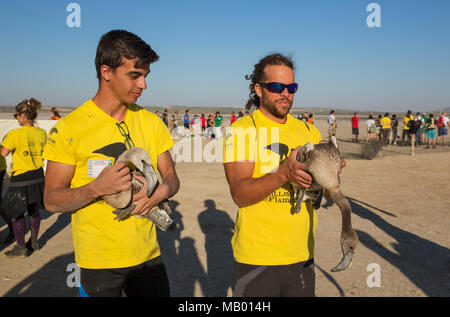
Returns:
(413, 139)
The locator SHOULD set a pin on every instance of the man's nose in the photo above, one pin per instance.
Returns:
(285, 92)
(142, 84)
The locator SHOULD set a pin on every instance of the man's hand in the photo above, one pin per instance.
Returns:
(143, 203)
(166, 189)
(113, 179)
(294, 171)
(343, 164)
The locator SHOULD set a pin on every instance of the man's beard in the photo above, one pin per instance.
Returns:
(270, 106)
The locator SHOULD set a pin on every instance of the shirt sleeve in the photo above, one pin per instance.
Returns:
(316, 135)
(60, 146)
(239, 144)
(164, 139)
(10, 140)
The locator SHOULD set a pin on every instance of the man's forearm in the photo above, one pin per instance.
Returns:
(69, 199)
(249, 191)
(168, 187)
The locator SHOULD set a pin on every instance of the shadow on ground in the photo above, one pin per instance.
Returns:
(425, 263)
(48, 281)
(183, 264)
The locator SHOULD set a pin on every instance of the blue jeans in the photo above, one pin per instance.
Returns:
(419, 137)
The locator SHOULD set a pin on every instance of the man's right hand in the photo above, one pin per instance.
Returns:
(294, 171)
(113, 179)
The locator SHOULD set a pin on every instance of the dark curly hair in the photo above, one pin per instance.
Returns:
(30, 107)
(120, 43)
(258, 75)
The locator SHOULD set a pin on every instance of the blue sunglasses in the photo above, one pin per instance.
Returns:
(278, 88)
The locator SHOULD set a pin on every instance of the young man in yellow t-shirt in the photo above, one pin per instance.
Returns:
(273, 246)
(81, 151)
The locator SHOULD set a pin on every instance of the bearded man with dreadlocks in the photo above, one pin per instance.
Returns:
(273, 246)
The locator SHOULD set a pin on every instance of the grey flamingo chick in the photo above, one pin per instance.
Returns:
(323, 161)
(138, 159)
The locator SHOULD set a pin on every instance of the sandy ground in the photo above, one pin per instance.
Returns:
(400, 212)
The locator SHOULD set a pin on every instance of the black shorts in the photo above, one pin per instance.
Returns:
(18, 198)
(2, 176)
(355, 131)
(148, 279)
(294, 280)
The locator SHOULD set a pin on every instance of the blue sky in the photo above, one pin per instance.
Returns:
(206, 48)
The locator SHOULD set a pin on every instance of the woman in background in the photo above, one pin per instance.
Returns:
(26, 189)
(431, 131)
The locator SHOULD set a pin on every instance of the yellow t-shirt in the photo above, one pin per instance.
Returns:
(88, 138)
(385, 123)
(26, 145)
(268, 232)
(405, 122)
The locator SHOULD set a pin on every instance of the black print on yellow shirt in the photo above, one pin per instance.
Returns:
(112, 150)
(53, 131)
(50, 138)
(283, 195)
(279, 148)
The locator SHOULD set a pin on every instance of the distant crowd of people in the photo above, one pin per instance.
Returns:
(198, 124)
(428, 130)
(422, 129)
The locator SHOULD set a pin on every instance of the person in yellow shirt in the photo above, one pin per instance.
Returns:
(26, 189)
(386, 128)
(114, 256)
(273, 246)
(405, 132)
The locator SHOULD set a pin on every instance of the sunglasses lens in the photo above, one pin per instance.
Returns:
(278, 88)
(292, 88)
(275, 87)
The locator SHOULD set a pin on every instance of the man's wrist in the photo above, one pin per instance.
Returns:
(282, 174)
(93, 189)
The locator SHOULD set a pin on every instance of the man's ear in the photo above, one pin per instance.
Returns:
(106, 72)
(258, 90)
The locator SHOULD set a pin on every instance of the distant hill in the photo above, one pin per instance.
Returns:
(226, 110)
(444, 110)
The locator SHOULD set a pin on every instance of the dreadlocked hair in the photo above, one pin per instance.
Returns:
(258, 75)
(30, 107)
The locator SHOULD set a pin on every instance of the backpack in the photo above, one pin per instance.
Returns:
(394, 123)
(430, 124)
(410, 124)
(415, 125)
(440, 122)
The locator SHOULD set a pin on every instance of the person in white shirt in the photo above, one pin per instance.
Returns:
(371, 128)
(332, 124)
